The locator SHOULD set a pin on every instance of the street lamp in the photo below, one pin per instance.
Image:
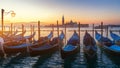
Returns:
(2, 17)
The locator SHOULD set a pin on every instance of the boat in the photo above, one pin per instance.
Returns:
(90, 48)
(19, 40)
(42, 40)
(115, 37)
(1, 47)
(17, 46)
(72, 47)
(49, 47)
(11, 34)
(11, 37)
(107, 45)
(19, 36)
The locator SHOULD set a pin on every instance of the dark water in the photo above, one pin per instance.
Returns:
(54, 60)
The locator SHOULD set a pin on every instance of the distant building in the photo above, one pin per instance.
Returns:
(74, 24)
(71, 24)
(68, 24)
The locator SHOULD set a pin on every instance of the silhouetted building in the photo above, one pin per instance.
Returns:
(71, 24)
(68, 24)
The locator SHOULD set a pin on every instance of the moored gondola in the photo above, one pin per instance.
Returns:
(23, 47)
(42, 40)
(1, 47)
(18, 45)
(115, 37)
(72, 46)
(107, 45)
(90, 48)
(11, 37)
(49, 47)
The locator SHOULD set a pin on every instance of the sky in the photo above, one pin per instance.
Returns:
(49, 11)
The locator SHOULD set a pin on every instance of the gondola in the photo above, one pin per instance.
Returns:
(1, 47)
(72, 46)
(90, 48)
(23, 47)
(42, 40)
(49, 47)
(115, 37)
(11, 37)
(18, 46)
(18, 40)
(107, 45)
(10, 34)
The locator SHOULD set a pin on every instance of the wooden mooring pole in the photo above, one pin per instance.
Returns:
(102, 29)
(107, 31)
(65, 34)
(101, 39)
(33, 32)
(38, 30)
(93, 31)
(79, 31)
(14, 28)
(11, 28)
(57, 29)
(22, 29)
(58, 34)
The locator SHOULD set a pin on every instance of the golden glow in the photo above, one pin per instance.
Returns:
(50, 13)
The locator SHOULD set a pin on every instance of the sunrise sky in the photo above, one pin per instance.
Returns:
(48, 11)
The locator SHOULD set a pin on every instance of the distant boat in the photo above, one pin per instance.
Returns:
(72, 46)
(90, 48)
(49, 47)
(107, 45)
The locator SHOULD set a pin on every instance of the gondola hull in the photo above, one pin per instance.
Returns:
(1, 53)
(44, 51)
(89, 48)
(72, 47)
(48, 48)
(24, 47)
(90, 54)
(108, 51)
(15, 49)
(65, 54)
(108, 46)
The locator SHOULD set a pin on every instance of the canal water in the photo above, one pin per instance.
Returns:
(54, 60)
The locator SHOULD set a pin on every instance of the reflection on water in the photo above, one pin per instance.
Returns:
(54, 61)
